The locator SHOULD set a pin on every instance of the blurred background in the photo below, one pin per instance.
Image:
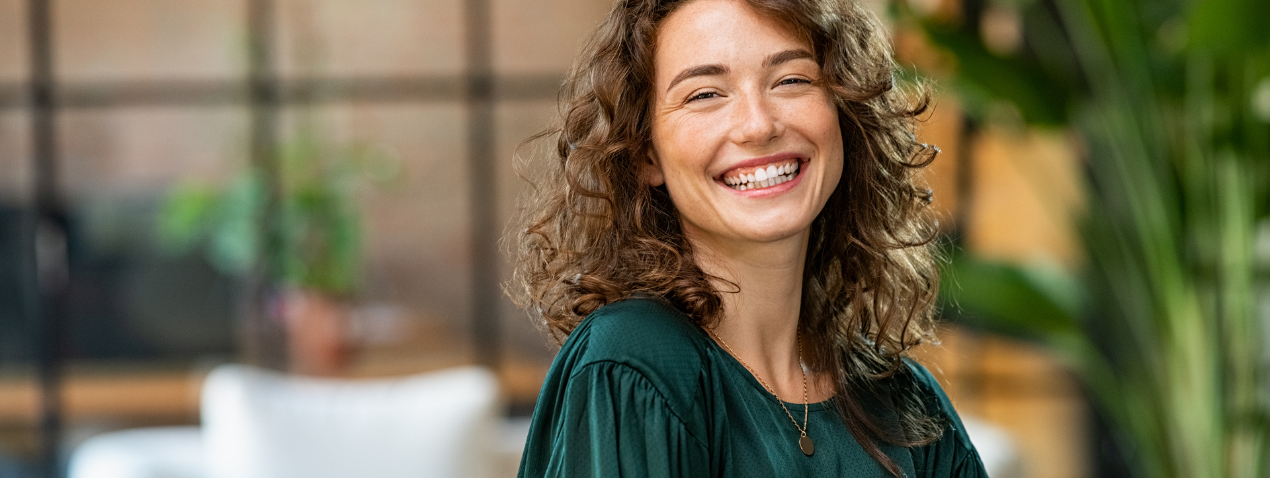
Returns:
(320, 187)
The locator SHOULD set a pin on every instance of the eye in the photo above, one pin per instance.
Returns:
(701, 96)
(793, 81)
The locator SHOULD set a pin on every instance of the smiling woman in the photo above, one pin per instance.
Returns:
(737, 94)
(733, 250)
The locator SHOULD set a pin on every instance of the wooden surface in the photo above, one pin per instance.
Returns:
(143, 396)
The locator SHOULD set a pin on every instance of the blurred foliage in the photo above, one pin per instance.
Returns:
(317, 227)
(1171, 102)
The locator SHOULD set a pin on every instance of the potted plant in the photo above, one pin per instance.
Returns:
(314, 257)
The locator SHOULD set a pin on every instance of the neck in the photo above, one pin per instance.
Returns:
(760, 313)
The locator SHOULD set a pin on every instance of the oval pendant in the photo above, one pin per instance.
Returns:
(806, 445)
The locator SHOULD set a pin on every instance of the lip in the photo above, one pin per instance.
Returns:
(768, 191)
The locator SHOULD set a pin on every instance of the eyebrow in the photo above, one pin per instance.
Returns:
(787, 56)
(701, 70)
(712, 70)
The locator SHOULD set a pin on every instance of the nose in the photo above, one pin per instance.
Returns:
(755, 121)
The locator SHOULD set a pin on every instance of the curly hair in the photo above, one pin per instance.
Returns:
(592, 232)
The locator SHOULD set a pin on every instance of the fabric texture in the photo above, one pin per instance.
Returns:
(639, 391)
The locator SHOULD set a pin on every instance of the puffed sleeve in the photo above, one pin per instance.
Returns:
(610, 421)
(953, 455)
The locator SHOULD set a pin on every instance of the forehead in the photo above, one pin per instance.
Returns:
(720, 31)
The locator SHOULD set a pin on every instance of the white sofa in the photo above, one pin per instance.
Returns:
(262, 424)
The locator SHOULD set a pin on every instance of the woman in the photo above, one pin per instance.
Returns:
(732, 248)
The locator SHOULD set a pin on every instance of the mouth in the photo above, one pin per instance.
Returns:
(762, 176)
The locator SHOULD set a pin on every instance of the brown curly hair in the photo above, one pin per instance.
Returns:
(593, 232)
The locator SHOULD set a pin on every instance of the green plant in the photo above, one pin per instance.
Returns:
(1171, 100)
(317, 225)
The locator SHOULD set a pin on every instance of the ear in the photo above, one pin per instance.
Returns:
(650, 170)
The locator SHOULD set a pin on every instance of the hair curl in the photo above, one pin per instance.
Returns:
(593, 232)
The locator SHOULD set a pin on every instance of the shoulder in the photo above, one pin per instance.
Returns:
(917, 381)
(926, 382)
(629, 371)
(636, 327)
(648, 336)
(953, 454)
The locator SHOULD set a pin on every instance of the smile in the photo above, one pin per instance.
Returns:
(745, 179)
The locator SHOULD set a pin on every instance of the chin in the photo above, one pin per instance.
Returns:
(775, 233)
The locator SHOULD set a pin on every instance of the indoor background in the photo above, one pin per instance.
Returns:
(181, 181)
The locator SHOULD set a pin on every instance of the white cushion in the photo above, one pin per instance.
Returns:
(995, 448)
(261, 424)
(159, 452)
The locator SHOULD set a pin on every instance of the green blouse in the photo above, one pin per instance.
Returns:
(639, 391)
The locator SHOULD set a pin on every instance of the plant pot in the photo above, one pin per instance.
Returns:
(319, 341)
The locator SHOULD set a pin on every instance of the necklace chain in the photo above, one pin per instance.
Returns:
(802, 430)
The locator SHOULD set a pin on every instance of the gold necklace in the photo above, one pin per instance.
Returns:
(804, 442)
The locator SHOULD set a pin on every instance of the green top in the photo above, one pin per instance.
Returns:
(639, 391)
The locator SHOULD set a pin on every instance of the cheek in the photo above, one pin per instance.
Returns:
(831, 143)
(682, 150)
(833, 177)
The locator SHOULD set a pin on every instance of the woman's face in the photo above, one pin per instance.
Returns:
(745, 136)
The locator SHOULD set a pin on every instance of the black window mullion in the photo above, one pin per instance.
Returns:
(45, 240)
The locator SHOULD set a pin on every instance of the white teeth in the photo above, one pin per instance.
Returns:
(763, 177)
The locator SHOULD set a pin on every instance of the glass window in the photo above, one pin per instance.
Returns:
(14, 61)
(385, 38)
(148, 40)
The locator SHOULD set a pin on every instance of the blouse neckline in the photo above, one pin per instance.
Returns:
(749, 378)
